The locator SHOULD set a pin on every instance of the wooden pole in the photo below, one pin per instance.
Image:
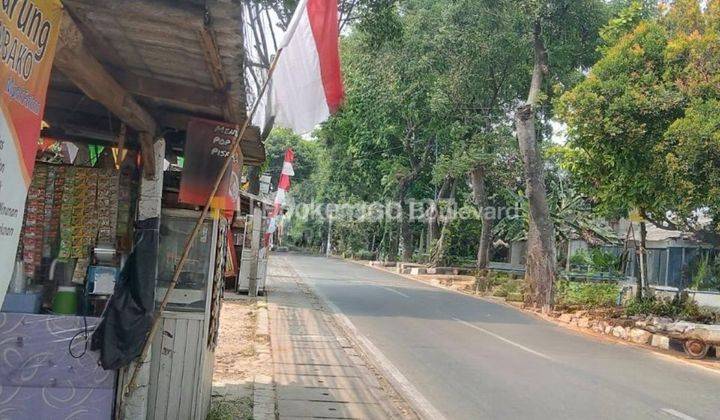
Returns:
(131, 385)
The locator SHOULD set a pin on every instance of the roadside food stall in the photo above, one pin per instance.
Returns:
(101, 214)
(248, 230)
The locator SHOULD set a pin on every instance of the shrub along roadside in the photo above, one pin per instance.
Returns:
(507, 286)
(680, 307)
(586, 295)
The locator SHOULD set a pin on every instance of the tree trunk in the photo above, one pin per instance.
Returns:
(407, 236)
(328, 243)
(433, 225)
(437, 256)
(477, 180)
(642, 282)
(433, 228)
(404, 233)
(393, 244)
(540, 267)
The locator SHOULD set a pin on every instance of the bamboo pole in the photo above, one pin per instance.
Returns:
(131, 385)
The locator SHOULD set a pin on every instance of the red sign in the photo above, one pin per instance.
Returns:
(207, 145)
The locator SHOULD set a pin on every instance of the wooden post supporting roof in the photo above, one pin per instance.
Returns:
(79, 65)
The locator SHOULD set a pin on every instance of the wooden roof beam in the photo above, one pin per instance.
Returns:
(170, 91)
(78, 64)
(214, 62)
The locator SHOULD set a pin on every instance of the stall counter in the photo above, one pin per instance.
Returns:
(40, 378)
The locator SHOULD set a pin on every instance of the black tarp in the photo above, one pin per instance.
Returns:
(129, 314)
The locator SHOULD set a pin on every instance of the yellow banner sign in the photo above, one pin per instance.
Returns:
(28, 35)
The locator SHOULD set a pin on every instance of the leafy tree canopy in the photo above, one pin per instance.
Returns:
(644, 125)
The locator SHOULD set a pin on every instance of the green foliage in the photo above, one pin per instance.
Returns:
(705, 271)
(355, 238)
(363, 254)
(462, 240)
(702, 272)
(379, 22)
(580, 259)
(306, 157)
(570, 211)
(625, 22)
(508, 287)
(430, 89)
(588, 295)
(596, 260)
(679, 307)
(644, 125)
(614, 118)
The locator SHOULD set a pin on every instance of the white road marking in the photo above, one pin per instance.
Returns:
(501, 338)
(678, 414)
(390, 289)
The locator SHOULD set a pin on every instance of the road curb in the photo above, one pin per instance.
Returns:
(264, 396)
(263, 322)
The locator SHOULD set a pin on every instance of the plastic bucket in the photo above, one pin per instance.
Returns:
(65, 301)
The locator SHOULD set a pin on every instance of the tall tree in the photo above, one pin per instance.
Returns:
(560, 33)
(480, 77)
(386, 115)
(540, 263)
(644, 123)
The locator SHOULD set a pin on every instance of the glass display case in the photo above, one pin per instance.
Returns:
(191, 292)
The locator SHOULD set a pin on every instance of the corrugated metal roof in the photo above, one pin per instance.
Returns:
(161, 51)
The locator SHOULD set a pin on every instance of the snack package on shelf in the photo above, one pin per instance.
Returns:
(52, 238)
(33, 223)
(81, 268)
(107, 200)
(66, 214)
(78, 217)
(89, 211)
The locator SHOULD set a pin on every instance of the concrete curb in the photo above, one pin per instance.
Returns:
(264, 398)
(263, 322)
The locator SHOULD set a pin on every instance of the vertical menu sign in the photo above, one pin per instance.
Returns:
(207, 145)
(28, 35)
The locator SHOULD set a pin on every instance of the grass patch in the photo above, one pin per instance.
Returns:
(223, 408)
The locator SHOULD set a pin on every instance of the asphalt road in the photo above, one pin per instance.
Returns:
(473, 359)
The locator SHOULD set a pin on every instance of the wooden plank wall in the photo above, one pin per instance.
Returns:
(179, 365)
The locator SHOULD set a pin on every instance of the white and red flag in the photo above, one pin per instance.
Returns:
(283, 187)
(307, 85)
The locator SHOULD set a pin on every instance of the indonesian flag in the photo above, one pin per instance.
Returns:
(307, 85)
(283, 187)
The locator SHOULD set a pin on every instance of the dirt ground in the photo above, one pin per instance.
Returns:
(236, 358)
